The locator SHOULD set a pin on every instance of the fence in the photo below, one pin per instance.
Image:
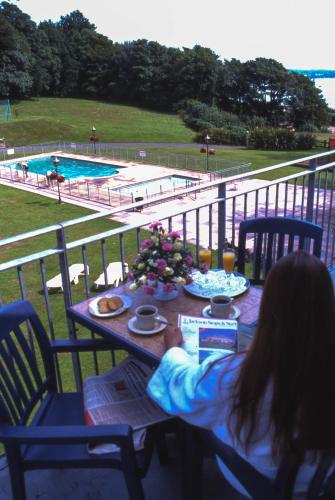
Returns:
(92, 190)
(171, 160)
(306, 195)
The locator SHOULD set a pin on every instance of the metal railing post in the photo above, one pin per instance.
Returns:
(310, 190)
(221, 221)
(67, 295)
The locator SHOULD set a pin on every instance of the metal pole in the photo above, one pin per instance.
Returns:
(206, 155)
(310, 191)
(56, 162)
(221, 221)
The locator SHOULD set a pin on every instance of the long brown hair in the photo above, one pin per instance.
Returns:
(293, 353)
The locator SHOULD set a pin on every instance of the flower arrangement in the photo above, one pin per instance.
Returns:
(162, 258)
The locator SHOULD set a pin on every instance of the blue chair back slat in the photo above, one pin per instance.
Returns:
(20, 365)
(7, 360)
(280, 245)
(258, 255)
(23, 384)
(266, 230)
(269, 253)
(8, 411)
(290, 244)
(29, 355)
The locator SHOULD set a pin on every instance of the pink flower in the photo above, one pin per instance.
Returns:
(155, 225)
(189, 281)
(168, 287)
(167, 247)
(174, 234)
(149, 290)
(131, 275)
(161, 264)
(188, 260)
(152, 276)
(146, 243)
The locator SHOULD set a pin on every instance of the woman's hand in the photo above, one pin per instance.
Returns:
(172, 337)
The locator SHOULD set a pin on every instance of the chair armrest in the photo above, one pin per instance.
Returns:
(67, 434)
(81, 345)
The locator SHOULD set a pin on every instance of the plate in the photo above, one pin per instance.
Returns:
(93, 306)
(159, 328)
(234, 314)
(216, 284)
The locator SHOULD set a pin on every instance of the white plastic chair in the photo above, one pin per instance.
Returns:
(75, 270)
(114, 275)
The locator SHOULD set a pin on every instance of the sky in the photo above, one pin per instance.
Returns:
(297, 33)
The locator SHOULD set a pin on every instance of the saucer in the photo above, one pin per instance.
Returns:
(234, 314)
(159, 328)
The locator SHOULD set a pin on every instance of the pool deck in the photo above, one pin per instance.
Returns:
(139, 172)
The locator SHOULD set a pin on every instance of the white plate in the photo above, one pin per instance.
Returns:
(234, 314)
(159, 328)
(216, 284)
(93, 306)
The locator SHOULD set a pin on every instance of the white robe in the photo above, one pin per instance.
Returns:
(181, 389)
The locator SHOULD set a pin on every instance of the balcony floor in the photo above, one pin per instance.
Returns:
(161, 482)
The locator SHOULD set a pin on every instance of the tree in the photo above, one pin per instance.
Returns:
(15, 54)
(195, 74)
(304, 102)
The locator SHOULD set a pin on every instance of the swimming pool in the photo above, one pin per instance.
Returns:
(156, 186)
(68, 167)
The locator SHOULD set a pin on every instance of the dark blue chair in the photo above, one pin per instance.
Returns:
(273, 238)
(332, 273)
(200, 444)
(42, 428)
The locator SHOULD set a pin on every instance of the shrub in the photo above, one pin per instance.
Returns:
(200, 116)
(280, 139)
(305, 141)
(232, 135)
(308, 127)
(272, 138)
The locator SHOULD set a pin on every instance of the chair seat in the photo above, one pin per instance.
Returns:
(68, 409)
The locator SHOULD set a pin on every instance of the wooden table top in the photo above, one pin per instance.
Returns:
(151, 347)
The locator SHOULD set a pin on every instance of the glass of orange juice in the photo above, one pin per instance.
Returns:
(228, 260)
(205, 259)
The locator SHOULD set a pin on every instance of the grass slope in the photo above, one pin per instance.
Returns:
(49, 119)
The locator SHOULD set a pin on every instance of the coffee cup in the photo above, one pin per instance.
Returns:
(221, 306)
(146, 316)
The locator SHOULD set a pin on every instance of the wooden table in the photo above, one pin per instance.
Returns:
(150, 348)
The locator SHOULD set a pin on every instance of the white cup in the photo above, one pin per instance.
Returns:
(146, 317)
(221, 306)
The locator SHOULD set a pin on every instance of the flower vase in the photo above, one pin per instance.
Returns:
(163, 295)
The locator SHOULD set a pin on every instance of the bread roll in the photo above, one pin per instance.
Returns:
(110, 304)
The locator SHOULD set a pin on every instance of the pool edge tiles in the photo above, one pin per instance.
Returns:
(70, 168)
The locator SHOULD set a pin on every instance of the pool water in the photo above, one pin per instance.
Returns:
(161, 185)
(69, 167)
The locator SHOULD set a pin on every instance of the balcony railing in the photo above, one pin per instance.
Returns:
(209, 220)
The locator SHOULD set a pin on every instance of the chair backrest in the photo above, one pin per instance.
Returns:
(273, 238)
(26, 363)
(259, 487)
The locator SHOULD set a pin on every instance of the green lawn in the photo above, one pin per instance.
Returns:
(48, 119)
(21, 212)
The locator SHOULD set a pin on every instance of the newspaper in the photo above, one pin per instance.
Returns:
(119, 397)
(203, 337)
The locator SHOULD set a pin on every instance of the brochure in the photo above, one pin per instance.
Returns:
(206, 336)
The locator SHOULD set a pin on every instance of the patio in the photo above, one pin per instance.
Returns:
(161, 482)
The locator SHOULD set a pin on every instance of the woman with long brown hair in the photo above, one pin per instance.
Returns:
(278, 395)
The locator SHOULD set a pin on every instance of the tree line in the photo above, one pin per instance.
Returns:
(69, 58)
